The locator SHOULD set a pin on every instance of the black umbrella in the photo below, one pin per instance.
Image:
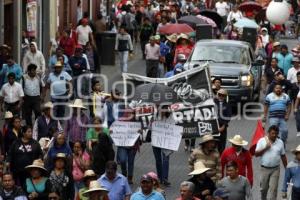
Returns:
(191, 20)
(213, 15)
(155, 93)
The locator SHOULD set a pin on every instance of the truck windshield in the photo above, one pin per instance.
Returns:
(221, 54)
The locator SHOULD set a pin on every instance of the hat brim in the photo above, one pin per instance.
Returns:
(203, 142)
(29, 167)
(76, 106)
(198, 171)
(172, 39)
(296, 151)
(244, 143)
(86, 193)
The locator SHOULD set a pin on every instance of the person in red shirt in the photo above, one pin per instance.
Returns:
(240, 155)
(67, 43)
(184, 46)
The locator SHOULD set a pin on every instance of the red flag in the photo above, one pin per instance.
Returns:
(259, 133)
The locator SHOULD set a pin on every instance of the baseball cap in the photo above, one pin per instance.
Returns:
(147, 178)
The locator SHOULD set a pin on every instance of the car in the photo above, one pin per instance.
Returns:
(232, 61)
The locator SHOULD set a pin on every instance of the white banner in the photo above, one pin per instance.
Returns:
(166, 136)
(125, 134)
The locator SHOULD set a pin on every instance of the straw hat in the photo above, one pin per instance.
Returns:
(238, 140)
(8, 115)
(89, 173)
(222, 91)
(93, 187)
(183, 36)
(48, 105)
(297, 150)
(172, 38)
(275, 44)
(199, 168)
(37, 164)
(58, 64)
(78, 104)
(60, 156)
(207, 138)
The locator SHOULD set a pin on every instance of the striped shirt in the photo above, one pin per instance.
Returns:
(277, 104)
(211, 161)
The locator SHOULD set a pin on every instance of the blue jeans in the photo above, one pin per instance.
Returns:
(123, 55)
(162, 163)
(125, 157)
(283, 129)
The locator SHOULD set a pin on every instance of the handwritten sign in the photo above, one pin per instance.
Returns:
(166, 136)
(125, 134)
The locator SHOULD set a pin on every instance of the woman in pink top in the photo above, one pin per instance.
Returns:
(81, 162)
(183, 46)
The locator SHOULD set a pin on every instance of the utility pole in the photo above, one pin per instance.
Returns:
(17, 24)
(45, 7)
(1, 21)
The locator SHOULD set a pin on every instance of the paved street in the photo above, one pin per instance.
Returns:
(178, 162)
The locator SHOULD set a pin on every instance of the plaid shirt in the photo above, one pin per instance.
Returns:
(75, 130)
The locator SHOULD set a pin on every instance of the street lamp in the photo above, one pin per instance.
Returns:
(278, 12)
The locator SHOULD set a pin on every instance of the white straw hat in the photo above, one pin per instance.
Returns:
(78, 104)
(199, 168)
(238, 140)
(94, 186)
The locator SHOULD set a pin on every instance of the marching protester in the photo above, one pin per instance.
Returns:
(75, 127)
(146, 191)
(209, 155)
(115, 183)
(238, 186)
(9, 190)
(277, 108)
(123, 46)
(60, 177)
(13, 134)
(80, 163)
(88, 176)
(95, 192)
(156, 185)
(224, 115)
(204, 186)
(11, 94)
(240, 155)
(187, 191)
(33, 87)
(152, 58)
(22, 153)
(292, 174)
(271, 150)
(34, 56)
(38, 185)
(45, 126)
(11, 67)
(59, 83)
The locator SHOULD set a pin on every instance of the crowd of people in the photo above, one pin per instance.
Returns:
(51, 156)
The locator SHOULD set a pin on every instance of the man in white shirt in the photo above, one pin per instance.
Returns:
(271, 150)
(12, 95)
(292, 72)
(84, 33)
(32, 85)
(152, 52)
(222, 9)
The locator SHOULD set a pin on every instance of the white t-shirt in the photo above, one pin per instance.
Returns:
(83, 34)
(292, 75)
(222, 8)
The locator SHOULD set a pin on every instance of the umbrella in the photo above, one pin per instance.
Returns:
(191, 20)
(261, 15)
(213, 15)
(245, 22)
(175, 28)
(208, 20)
(155, 93)
(250, 6)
